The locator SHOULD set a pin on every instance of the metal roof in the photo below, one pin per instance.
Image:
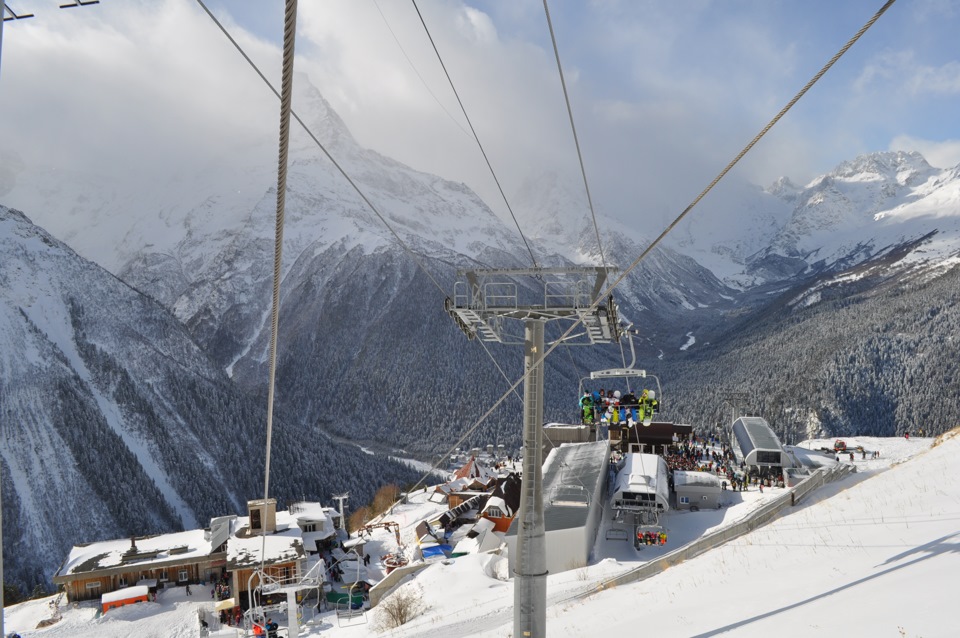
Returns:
(572, 484)
(754, 433)
(682, 478)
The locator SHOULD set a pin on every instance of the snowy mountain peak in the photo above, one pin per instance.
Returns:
(784, 188)
(318, 115)
(903, 168)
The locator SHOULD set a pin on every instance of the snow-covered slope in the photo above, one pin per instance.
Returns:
(863, 209)
(873, 555)
(84, 363)
(110, 408)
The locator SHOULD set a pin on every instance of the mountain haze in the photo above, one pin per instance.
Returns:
(832, 306)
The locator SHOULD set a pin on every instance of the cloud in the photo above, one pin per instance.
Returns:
(944, 79)
(903, 72)
(942, 154)
(130, 88)
(663, 95)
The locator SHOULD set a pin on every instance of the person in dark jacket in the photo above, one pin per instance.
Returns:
(630, 403)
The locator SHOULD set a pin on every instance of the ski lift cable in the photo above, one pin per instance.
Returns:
(573, 129)
(364, 197)
(293, 113)
(725, 170)
(336, 164)
(475, 136)
(497, 364)
(414, 67)
(286, 86)
(676, 221)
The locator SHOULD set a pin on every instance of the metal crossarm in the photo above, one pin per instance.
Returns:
(483, 299)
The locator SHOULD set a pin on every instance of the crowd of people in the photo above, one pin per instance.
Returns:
(702, 455)
(221, 589)
(613, 408)
(652, 538)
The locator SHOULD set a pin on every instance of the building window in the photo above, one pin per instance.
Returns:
(121, 582)
(684, 499)
(163, 576)
(309, 527)
(494, 513)
(255, 519)
(183, 575)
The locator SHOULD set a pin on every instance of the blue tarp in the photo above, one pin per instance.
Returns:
(435, 551)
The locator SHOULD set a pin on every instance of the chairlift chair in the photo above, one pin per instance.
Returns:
(646, 522)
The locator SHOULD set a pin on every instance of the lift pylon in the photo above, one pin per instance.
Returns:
(480, 305)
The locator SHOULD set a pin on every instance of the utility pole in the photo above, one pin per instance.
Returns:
(480, 304)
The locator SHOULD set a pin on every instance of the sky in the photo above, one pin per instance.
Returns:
(874, 554)
(663, 94)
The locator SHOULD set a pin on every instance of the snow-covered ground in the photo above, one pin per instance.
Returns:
(872, 555)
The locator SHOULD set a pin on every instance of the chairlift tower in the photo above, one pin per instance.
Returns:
(482, 302)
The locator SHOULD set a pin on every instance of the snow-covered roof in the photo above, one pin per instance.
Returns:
(453, 486)
(285, 545)
(474, 469)
(571, 482)
(243, 549)
(124, 594)
(480, 538)
(496, 501)
(152, 550)
(682, 478)
(311, 511)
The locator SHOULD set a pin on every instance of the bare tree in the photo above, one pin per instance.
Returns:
(385, 497)
(400, 607)
(359, 518)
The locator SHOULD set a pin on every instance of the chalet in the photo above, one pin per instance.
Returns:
(233, 547)
(94, 569)
(504, 503)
